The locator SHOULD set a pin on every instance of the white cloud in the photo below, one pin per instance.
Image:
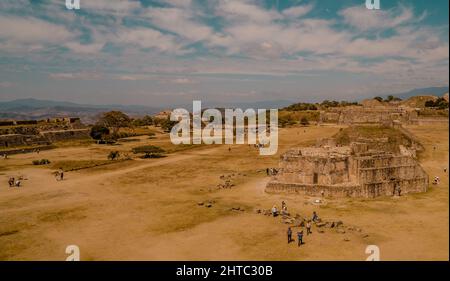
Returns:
(117, 7)
(84, 48)
(364, 19)
(183, 80)
(241, 10)
(147, 38)
(179, 21)
(297, 11)
(23, 31)
(76, 76)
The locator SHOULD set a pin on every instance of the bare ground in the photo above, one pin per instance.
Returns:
(148, 209)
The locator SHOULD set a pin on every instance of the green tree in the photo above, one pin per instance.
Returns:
(144, 121)
(98, 132)
(114, 120)
(390, 98)
(380, 99)
(167, 124)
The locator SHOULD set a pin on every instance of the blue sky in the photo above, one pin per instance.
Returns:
(170, 52)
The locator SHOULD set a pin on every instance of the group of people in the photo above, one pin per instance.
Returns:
(437, 180)
(275, 211)
(300, 234)
(14, 182)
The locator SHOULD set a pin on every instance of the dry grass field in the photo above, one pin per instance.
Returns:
(148, 209)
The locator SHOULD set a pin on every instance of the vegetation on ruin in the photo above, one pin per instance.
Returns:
(302, 106)
(430, 112)
(290, 118)
(387, 99)
(440, 103)
(394, 137)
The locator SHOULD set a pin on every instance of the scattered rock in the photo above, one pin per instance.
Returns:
(299, 222)
(200, 203)
(365, 235)
(320, 231)
(346, 239)
(321, 224)
(340, 230)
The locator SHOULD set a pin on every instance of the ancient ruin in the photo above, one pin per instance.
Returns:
(368, 115)
(44, 132)
(364, 168)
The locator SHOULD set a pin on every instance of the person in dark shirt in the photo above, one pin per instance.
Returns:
(315, 217)
(300, 237)
(289, 235)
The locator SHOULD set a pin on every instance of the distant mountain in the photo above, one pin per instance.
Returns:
(41, 109)
(432, 91)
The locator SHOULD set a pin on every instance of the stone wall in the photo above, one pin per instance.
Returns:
(315, 190)
(20, 130)
(65, 135)
(310, 170)
(429, 121)
(42, 138)
(340, 172)
(367, 115)
(12, 140)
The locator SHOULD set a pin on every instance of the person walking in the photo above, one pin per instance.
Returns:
(308, 228)
(300, 238)
(289, 235)
(11, 181)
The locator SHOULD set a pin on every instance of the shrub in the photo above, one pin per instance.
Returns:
(113, 155)
(41, 162)
(304, 121)
(149, 151)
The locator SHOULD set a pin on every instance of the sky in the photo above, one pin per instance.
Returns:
(162, 53)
